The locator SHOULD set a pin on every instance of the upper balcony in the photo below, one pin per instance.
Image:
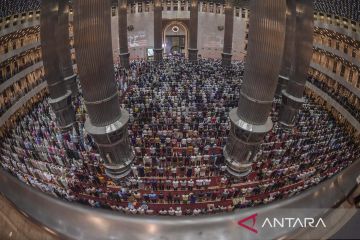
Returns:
(19, 21)
(338, 24)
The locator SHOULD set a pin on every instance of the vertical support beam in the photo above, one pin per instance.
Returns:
(63, 48)
(60, 97)
(123, 37)
(106, 122)
(289, 46)
(251, 121)
(158, 49)
(292, 96)
(228, 33)
(194, 12)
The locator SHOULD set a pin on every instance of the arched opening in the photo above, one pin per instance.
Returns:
(175, 38)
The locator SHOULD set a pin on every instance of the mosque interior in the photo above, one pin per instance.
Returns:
(172, 119)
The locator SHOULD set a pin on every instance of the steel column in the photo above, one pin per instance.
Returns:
(194, 12)
(123, 37)
(63, 48)
(158, 49)
(107, 123)
(289, 46)
(251, 121)
(292, 96)
(60, 97)
(228, 33)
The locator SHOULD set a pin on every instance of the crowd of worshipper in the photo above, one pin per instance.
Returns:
(17, 40)
(343, 96)
(19, 89)
(178, 127)
(12, 66)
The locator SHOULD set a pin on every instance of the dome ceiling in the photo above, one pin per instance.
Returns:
(346, 8)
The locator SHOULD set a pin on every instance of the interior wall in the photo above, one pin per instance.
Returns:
(142, 37)
(210, 39)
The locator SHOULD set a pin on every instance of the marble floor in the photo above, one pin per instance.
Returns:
(14, 225)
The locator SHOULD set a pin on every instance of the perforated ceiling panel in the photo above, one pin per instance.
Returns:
(346, 8)
(11, 7)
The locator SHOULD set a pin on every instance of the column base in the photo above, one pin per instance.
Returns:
(116, 172)
(72, 85)
(236, 169)
(114, 145)
(289, 109)
(286, 127)
(124, 60)
(283, 82)
(158, 54)
(226, 59)
(193, 54)
(243, 144)
(64, 111)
